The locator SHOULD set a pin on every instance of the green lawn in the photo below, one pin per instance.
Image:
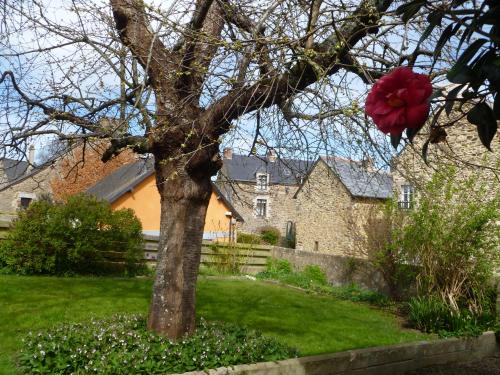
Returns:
(313, 324)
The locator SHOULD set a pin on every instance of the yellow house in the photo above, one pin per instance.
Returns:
(134, 186)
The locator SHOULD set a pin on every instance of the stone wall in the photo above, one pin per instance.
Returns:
(387, 360)
(32, 186)
(280, 205)
(328, 218)
(462, 149)
(339, 270)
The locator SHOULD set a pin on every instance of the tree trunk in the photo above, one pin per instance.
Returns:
(184, 202)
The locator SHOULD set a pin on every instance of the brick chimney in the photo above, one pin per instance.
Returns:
(271, 155)
(227, 153)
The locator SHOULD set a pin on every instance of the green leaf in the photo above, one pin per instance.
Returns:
(395, 139)
(461, 73)
(450, 99)
(448, 32)
(412, 132)
(483, 117)
(496, 106)
(408, 10)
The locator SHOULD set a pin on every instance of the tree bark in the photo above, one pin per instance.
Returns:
(184, 202)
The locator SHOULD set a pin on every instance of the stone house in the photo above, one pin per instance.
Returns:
(334, 202)
(460, 148)
(21, 182)
(261, 188)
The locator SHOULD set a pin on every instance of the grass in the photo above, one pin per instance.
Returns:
(312, 323)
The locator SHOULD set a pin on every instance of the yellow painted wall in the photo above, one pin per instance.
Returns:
(145, 201)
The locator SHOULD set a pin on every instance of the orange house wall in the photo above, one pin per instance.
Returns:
(144, 199)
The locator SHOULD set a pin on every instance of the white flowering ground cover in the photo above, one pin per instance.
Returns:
(311, 323)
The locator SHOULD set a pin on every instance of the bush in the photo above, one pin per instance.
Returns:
(312, 277)
(355, 293)
(249, 238)
(452, 237)
(76, 237)
(122, 345)
(270, 235)
(430, 314)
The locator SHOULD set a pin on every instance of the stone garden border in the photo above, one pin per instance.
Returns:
(387, 360)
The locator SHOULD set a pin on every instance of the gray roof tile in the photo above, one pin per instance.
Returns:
(281, 171)
(13, 169)
(358, 180)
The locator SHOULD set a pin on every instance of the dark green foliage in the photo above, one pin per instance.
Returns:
(311, 278)
(353, 292)
(250, 238)
(430, 314)
(123, 345)
(270, 235)
(82, 236)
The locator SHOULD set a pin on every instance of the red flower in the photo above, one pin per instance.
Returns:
(399, 100)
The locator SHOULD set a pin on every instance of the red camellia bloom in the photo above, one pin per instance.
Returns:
(399, 100)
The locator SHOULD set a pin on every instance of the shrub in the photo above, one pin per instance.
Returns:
(430, 314)
(75, 237)
(355, 293)
(312, 277)
(250, 238)
(122, 345)
(270, 235)
(225, 260)
(452, 237)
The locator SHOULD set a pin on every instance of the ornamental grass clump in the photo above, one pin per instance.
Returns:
(123, 345)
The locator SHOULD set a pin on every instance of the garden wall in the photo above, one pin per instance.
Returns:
(339, 269)
(387, 360)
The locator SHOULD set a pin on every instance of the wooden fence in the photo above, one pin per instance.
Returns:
(250, 258)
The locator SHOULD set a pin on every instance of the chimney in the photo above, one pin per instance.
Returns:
(228, 153)
(271, 155)
(31, 155)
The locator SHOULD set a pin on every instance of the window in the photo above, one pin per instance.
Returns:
(407, 196)
(262, 182)
(261, 207)
(25, 202)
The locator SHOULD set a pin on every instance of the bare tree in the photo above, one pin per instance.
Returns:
(181, 76)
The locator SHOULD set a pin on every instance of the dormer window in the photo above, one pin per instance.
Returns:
(262, 181)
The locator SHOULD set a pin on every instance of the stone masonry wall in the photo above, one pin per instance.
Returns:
(462, 149)
(280, 205)
(328, 218)
(31, 187)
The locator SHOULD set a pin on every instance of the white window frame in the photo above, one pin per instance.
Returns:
(258, 178)
(407, 198)
(266, 207)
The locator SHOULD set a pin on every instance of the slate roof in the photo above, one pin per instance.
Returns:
(281, 171)
(13, 169)
(125, 178)
(358, 180)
